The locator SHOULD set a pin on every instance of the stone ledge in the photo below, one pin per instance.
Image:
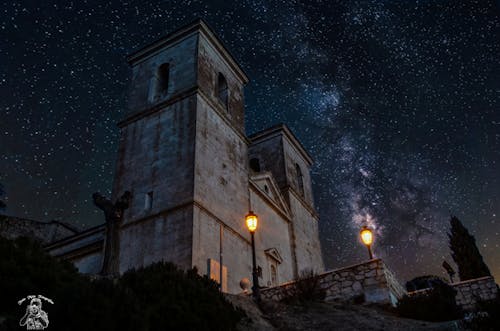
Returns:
(370, 281)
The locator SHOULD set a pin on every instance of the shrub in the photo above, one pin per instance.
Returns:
(306, 288)
(486, 316)
(158, 297)
(423, 282)
(435, 304)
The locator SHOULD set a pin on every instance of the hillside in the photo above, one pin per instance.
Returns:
(327, 317)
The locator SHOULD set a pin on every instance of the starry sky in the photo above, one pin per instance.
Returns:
(398, 102)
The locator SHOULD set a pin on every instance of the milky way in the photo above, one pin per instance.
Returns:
(398, 102)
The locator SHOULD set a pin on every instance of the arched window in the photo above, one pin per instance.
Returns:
(255, 164)
(222, 91)
(158, 87)
(300, 179)
(162, 79)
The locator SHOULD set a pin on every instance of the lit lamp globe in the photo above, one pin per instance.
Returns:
(251, 221)
(367, 239)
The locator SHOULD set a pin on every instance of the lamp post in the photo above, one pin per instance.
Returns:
(251, 222)
(367, 237)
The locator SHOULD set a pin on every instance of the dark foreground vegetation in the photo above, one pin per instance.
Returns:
(159, 297)
(436, 304)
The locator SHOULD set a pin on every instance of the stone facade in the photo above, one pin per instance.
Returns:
(184, 155)
(369, 282)
(469, 292)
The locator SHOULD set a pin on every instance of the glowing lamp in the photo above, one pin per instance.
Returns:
(251, 221)
(367, 238)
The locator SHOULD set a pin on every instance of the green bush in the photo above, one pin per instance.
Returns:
(158, 297)
(435, 304)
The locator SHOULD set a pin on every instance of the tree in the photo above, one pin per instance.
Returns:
(465, 253)
(2, 203)
(158, 297)
(436, 304)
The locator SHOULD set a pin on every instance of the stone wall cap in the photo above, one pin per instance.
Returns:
(473, 280)
(354, 266)
(75, 237)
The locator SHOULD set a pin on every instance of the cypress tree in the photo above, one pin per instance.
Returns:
(465, 253)
(2, 192)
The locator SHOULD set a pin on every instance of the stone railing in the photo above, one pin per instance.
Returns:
(369, 282)
(469, 292)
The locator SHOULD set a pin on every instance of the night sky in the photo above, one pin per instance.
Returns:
(398, 102)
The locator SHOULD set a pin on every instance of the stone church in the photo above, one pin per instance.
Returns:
(194, 174)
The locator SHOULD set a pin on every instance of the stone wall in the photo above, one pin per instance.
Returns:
(469, 292)
(369, 282)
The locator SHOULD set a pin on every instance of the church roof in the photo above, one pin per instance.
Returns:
(45, 232)
(282, 128)
(263, 179)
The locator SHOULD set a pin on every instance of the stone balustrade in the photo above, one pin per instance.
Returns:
(369, 282)
(373, 282)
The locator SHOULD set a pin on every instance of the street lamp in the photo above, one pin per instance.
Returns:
(251, 221)
(367, 238)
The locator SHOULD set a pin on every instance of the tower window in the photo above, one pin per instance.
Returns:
(300, 179)
(158, 86)
(222, 91)
(148, 201)
(255, 164)
(162, 79)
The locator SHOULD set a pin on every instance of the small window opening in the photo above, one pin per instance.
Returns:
(255, 164)
(148, 201)
(163, 76)
(266, 188)
(222, 91)
(300, 180)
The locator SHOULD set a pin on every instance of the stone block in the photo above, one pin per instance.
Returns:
(347, 283)
(359, 277)
(370, 281)
(356, 286)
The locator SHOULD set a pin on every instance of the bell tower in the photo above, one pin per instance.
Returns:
(181, 150)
